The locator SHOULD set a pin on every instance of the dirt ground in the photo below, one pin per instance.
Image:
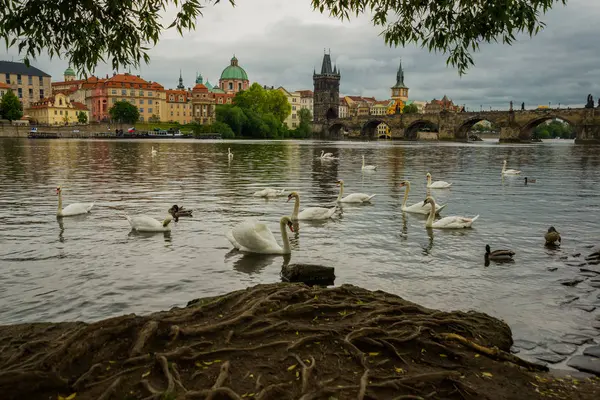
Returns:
(278, 341)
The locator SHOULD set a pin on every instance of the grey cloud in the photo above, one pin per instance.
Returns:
(280, 42)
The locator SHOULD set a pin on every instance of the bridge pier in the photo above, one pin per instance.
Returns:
(511, 134)
(588, 134)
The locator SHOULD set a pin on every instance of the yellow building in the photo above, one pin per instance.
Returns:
(56, 110)
(28, 83)
(4, 88)
(178, 107)
(295, 100)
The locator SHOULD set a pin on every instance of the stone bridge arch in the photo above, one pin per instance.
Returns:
(336, 130)
(462, 132)
(526, 131)
(369, 128)
(412, 130)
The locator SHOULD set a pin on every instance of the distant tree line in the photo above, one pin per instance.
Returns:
(554, 129)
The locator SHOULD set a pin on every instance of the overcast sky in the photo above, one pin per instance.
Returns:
(278, 42)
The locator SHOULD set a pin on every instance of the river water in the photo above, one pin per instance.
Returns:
(92, 267)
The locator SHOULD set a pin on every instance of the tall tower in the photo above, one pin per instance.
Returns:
(180, 86)
(326, 91)
(399, 90)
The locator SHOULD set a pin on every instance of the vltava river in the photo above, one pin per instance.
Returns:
(92, 267)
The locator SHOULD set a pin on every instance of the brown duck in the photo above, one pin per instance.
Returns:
(552, 236)
(177, 212)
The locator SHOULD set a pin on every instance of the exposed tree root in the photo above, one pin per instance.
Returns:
(268, 342)
(494, 353)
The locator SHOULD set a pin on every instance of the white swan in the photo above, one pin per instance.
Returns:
(353, 197)
(310, 213)
(229, 154)
(253, 236)
(437, 184)
(452, 222)
(326, 155)
(154, 152)
(143, 223)
(269, 192)
(509, 171)
(71, 209)
(367, 167)
(417, 208)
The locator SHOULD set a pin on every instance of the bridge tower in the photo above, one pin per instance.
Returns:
(326, 91)
(400, 90)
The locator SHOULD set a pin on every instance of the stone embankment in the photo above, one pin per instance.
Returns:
(279, 341)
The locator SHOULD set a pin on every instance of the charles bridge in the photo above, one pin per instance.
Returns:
(515, 126)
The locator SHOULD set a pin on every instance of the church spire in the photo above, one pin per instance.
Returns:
(400, 76)
(180, 86)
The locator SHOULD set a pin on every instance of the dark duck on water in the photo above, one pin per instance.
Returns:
(177, 212)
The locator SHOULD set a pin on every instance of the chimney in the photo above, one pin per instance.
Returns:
(114, 74)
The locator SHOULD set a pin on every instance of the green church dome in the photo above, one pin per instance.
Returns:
(234, 71)
(69, 72)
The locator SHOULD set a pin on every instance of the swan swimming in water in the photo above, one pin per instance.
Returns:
(269, 192)
(353, 197)
(71, 209)
(452, 222)
(153, 152)
(229, 154)
(436, 184)
(253, 236)
(509, 171)
(310, 213)
(417, 208)
(143, 223)
(326, 155)
(367, 167)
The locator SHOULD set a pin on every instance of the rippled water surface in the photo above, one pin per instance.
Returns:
(91, 267)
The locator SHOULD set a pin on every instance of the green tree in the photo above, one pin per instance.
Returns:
(233, 116)
(82, 117)
(122, 33)
(278, 105)
(11, 107)
(410, 109)
(124, 112)
(304, 128)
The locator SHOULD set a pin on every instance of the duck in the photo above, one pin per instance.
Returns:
(177, 212)
(498, 255)
(527, 180)
(552, 236)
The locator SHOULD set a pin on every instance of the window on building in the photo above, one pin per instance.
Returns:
(150, 110)
(114, 100)
(230, 85)
(171, 98)
(41, 81)
(141, 101)
(293, 124)
(220, 100)
(20, 91)
(132, 93)
(141, 110)
(150, 101)
(30, 80)
(293, 116)
(30, 93)
(60, 102)
(150, 94)
(239, 86)
(114, 91)
(171, 113)
(7, 78)
(123, 92)
(60, 112)
(293, 108)
(141, 92)
(19, 79)
(55, 112)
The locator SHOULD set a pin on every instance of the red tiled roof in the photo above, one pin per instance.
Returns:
(306, 93)
(4, 86)
(200, 88)
(79, 106)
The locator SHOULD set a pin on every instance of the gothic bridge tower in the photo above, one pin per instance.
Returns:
(326, 101)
